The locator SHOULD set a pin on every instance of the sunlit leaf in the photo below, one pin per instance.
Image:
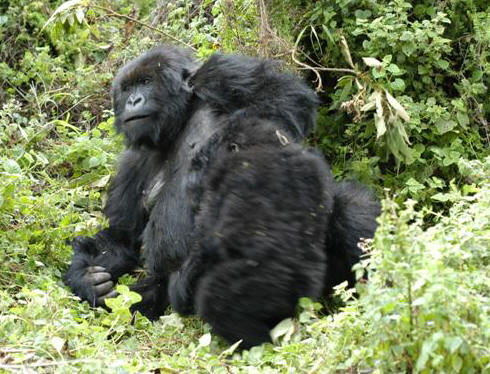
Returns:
(284, 328)
(379, 120)
(62, 8)
(372, 62)
(400, 111)
(205, 340)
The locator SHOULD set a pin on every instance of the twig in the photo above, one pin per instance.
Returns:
(319, 86)
(317, 69)
(74, 105)
(335, 70)
(115, 14)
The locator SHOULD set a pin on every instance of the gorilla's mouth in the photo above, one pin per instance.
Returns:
(137, 117)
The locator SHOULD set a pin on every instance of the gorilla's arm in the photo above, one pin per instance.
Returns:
(99, 261)
(182, 284)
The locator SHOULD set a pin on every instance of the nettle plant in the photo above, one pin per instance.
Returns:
(413, 80)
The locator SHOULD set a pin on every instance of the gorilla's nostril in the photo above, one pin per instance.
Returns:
(135, 100)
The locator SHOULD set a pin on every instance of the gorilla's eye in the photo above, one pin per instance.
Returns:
(145, 81)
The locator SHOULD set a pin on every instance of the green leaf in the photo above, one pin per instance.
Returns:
(407, 35)
(398, 84)
(387, 59)
(378, 73)
(443, 126)
(11, 166)
(456, 363)
(414, 186)
(424, 355)
(443, 64)
(422, 69)
(94, 162)
(442, 197)
(453, 343)
(394, 69)
(284, 328)
(463, 119)
(346, 90)
(409, 48)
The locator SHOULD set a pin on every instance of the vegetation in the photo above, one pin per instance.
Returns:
(405, 108)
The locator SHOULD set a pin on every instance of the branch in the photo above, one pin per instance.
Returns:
(113, 13)
(317, 69)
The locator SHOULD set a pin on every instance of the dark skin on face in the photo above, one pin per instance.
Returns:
(133, 99)
(136, 108)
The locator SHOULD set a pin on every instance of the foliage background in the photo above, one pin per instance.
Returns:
(426, 305)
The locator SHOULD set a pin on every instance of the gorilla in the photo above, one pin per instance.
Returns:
(168, 106)
(215, 196)
(261, 240)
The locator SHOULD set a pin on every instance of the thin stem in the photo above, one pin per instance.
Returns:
(129, 18)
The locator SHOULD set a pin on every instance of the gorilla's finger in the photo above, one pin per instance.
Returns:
(96, 269)
(101, 300)
(111, 294)
(103, 288)
(97, 278)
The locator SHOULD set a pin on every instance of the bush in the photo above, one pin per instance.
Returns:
(431, 56)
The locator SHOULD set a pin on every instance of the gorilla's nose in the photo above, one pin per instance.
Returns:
(135, 101)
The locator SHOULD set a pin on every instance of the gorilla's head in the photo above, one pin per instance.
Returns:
(151, 96)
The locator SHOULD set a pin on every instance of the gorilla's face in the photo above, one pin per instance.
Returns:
(151, 96)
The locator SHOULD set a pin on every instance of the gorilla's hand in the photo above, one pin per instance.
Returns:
(88, 281)
(100, 285)
(153, 291)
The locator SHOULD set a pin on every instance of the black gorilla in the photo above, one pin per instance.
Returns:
(260, 232)
(168, 107)
(216, 194)
(261, 239)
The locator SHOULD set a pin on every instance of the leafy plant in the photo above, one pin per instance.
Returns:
(430, 57)
(407, 110)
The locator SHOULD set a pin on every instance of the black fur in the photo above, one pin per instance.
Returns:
(261, 242)
(260, 233)
(216, 196)
(167, 112)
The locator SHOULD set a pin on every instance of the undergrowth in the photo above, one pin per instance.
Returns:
(407, 113)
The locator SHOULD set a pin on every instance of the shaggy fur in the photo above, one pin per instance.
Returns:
(232, 218)
(168, 107)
